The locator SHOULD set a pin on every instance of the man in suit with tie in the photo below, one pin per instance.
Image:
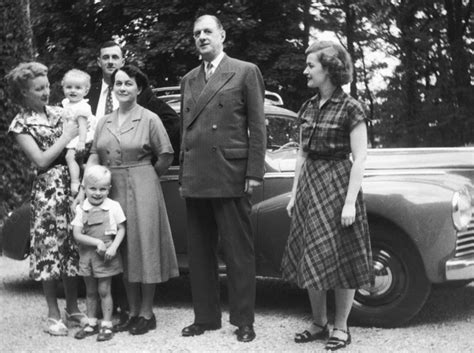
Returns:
(222, 161)
(102, 101)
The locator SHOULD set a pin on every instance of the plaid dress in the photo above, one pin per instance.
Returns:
(320, 253)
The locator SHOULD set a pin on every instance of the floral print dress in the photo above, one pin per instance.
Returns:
(53, 252)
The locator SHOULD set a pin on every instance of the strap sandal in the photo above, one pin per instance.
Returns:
(335, 343)
(55, 327)
(307, 336)
(76, 319)
(86, 331)
(105, 333)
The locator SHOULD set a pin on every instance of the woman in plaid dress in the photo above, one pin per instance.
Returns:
(329, 244)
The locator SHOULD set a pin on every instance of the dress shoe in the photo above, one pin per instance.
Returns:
(198, 329)
(245, 333)
(143, 325)
(125, 323)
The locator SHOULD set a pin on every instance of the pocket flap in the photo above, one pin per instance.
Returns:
(236, 153)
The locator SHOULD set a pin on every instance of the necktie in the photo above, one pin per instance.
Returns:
(209, 71)
(109, 106)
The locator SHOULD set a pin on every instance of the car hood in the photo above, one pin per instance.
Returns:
(391, 159)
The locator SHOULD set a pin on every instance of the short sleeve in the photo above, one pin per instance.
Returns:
(119, 216)
(18, 125)
(77, 221)
(83, 109)
(159, 140)
(356, 114)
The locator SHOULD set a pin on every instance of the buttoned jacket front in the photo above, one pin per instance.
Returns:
(223, 130)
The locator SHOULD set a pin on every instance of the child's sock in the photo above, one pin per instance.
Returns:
(106, 324)
(92, 321)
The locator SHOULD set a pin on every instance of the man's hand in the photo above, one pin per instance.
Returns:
(250, 184)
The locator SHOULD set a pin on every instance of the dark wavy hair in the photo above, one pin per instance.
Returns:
(134, 72)
(334, 58)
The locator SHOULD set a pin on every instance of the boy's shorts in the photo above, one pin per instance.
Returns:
(91, 264)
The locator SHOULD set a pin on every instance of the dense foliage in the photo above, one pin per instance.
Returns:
(425, 101)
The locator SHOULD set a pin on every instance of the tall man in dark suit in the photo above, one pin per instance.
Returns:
(111, 58)
(222, 161)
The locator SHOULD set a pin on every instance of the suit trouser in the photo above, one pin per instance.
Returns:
(225, 221)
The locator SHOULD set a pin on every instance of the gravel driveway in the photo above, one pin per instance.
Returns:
(445, 324)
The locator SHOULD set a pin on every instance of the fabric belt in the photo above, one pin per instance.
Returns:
(327, 157)
(130, 165)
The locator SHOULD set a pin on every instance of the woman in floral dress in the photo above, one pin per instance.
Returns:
(42, 134)
(329, 245)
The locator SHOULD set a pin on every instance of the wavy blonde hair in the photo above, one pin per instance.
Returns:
(18, 78)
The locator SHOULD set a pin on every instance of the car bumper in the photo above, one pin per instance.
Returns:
(461, 268)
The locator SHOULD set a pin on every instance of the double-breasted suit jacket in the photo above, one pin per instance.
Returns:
(223, 130)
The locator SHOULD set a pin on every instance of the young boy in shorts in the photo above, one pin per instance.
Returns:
(99, 228)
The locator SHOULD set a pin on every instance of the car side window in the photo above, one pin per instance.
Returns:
(281, 130)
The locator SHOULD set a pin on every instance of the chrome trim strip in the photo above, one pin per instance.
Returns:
(460, 268)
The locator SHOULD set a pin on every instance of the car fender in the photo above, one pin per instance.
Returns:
(422, 210)
(418, 206)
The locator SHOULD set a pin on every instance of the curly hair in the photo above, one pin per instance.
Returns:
(334, 58)
(18, 78)
(78, 74)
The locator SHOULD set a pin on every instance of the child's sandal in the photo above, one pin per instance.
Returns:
(76, 318)
(56, 327)
(334, 343)
(105, 333)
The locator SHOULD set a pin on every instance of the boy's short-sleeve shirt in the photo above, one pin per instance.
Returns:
(116, 215)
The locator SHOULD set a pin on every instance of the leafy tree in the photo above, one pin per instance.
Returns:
(426, 102)
(16, 34)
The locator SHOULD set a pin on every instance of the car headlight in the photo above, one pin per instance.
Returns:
(461, 209)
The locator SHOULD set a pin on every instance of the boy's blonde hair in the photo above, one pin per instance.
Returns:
(75, 73)
(97, 173)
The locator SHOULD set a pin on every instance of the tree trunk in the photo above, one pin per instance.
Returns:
(350, 27)
(405, 21)
(458, 19)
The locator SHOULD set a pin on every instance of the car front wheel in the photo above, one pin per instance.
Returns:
(401, 286)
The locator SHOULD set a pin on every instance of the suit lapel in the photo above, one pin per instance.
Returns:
(197, 83)
(221, 76)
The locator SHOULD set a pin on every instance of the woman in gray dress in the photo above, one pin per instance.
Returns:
(329, 244)
(128, 141)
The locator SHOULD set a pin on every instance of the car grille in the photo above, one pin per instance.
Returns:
(465, 240)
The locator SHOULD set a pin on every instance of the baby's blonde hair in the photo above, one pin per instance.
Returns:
(75, 73)
(97, 173)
